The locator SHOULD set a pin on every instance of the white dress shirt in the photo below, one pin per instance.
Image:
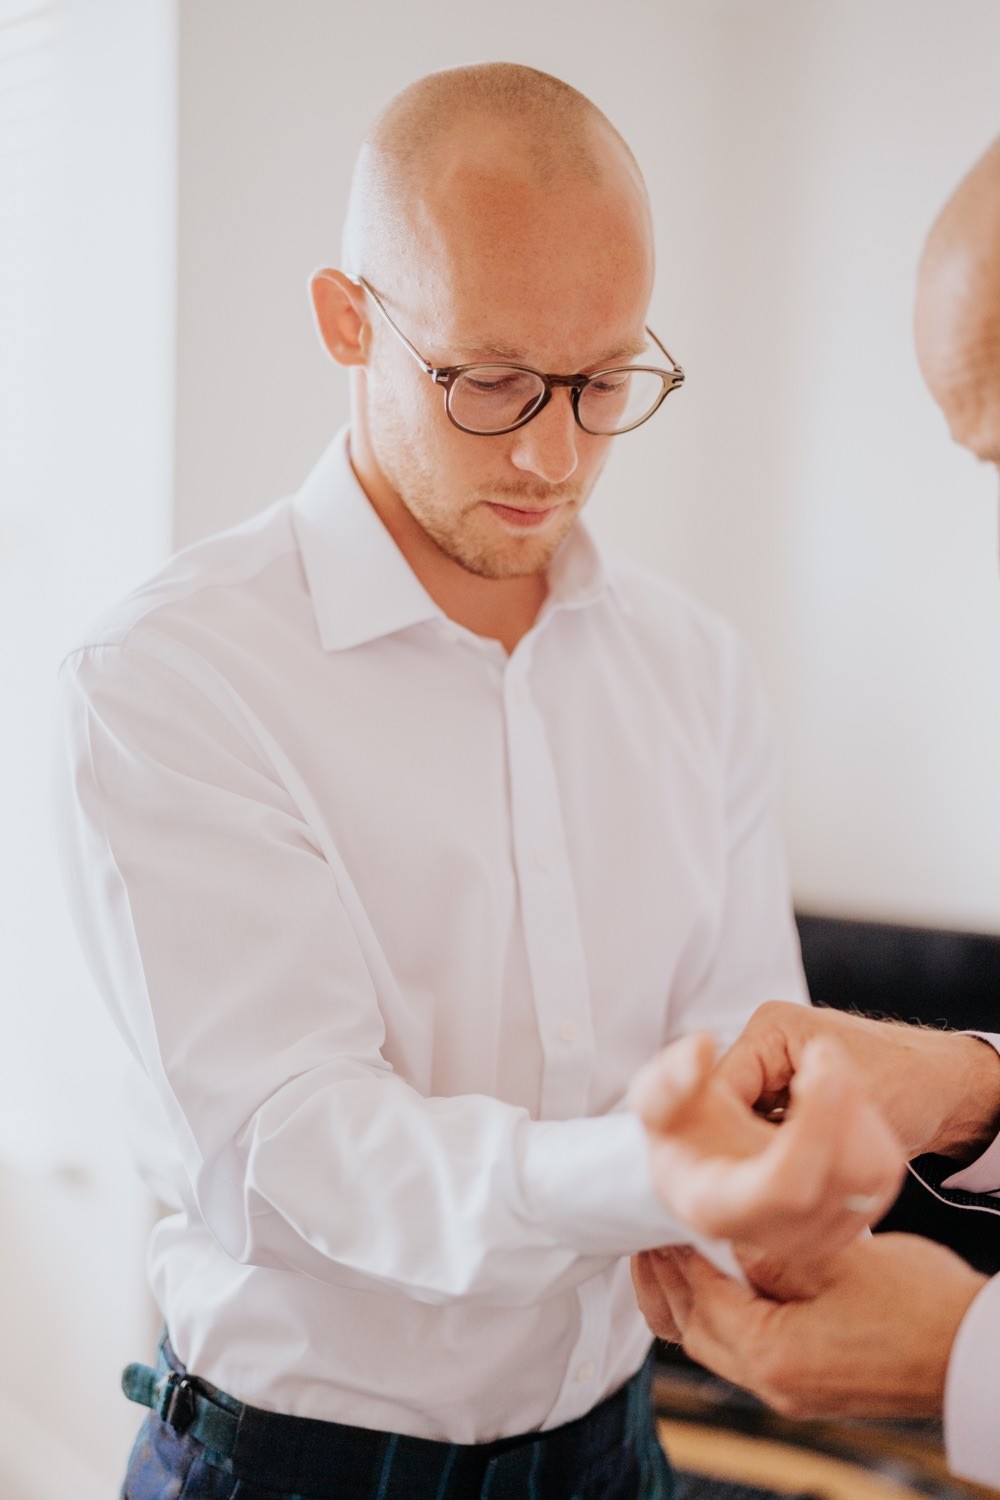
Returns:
(388, 919)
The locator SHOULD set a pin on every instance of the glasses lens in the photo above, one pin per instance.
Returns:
(617, 399)
(487, 398)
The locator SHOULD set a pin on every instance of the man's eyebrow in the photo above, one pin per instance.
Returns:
(487, 349)
(490, 349)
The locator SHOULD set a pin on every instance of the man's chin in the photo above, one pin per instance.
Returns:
(509, 549)
(522, 557)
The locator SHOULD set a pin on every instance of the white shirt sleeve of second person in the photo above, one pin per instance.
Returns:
(982, 1175)
(972, 1391)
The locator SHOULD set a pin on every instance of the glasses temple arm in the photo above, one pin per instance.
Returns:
(678, 371)
(424, 364)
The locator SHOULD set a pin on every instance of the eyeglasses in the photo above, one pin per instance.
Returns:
(498, 397)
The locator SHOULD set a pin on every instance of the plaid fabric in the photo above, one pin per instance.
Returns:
(611, 1454)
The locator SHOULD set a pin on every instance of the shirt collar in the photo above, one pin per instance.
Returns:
(361, 585)
(579, 574)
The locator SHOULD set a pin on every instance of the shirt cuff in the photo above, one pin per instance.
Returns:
(982, 1175)
(972, 1391)
(588, 1182)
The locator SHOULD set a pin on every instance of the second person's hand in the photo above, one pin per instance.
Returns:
(938, 1090)
(786, 1195)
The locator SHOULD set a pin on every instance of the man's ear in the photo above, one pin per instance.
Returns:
(338, 305)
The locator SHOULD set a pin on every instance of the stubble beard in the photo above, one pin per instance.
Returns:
(470, 535)
(475, 539)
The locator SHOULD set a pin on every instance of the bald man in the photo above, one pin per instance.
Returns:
(401, 825)
(894, 1326)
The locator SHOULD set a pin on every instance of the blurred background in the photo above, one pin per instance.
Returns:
(170, 173)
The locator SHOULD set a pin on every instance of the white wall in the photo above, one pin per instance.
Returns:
(796, 151)
(87, 170)
(840, 527)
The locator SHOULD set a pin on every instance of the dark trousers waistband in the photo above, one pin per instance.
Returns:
(302, 1456)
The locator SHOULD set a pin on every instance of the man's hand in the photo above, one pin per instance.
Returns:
(785, 1195)
(938, 1090)
(874, 1341)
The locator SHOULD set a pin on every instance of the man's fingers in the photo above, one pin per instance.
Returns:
(806, 1187)
(758, 1067)
(782, 1279)
(763, 1062)
(866, 1164)
(668, 1267)
(823, 1072)
(661, 1089)
(833, 1161)
(714, 1309)
(830, 1153)
(652, 1300)
(808, 1139)
(744, 1070)
(698, 1277)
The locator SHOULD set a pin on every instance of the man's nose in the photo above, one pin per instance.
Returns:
(547, 445)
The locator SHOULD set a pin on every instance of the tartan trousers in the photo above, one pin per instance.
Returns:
(610, 1454)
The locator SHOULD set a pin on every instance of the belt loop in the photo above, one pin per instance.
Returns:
(176, 1404)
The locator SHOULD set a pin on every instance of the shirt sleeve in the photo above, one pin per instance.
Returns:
(982, 1175)
(972, 1391)
(230, 955)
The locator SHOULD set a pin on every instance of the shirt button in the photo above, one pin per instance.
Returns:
(585, 1372)
(567, 1032)
(542, 856)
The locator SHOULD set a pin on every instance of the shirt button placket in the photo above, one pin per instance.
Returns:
(553, 940)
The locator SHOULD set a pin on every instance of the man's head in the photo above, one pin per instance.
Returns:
(498, 215)
(958, 309)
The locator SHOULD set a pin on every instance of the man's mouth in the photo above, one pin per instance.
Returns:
(524, 517)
